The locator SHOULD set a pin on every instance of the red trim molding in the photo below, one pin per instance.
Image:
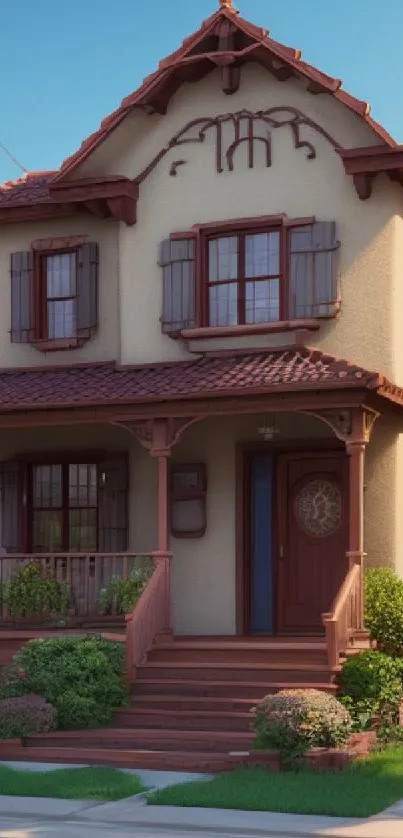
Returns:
(204, 332)
(365, 163)
(59, 243)
(256, 222)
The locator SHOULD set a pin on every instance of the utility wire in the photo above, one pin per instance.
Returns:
(14, 159)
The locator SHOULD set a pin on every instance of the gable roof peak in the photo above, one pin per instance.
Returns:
(228, 4)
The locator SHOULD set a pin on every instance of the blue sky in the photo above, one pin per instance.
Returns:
(65, 64)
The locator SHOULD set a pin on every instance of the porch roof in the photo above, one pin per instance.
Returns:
(220, 375)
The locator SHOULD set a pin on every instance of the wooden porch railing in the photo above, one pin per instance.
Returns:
(346, 617)
(150, 616)
(86, 575)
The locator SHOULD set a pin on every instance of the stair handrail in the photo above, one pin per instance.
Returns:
(150, 616)
(346, 615)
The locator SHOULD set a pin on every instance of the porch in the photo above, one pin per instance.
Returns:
(248, 511)
(219, 509)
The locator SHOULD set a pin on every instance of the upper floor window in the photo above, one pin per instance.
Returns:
(244, 278)
(54, 293)
(248, 274)
(59, 292)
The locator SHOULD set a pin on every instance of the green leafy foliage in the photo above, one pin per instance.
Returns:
(25, 715)
(121, 595)
(371, 687)
(82, 677)
(32, 591)
(293, 721)
(384, 609)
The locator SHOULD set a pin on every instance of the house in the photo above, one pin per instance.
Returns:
(201, 359)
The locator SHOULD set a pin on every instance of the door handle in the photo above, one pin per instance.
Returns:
(281, 552)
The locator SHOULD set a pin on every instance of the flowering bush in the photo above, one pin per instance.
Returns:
(27, 714)
(293, 721)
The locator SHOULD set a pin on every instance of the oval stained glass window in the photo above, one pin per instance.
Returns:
(318, 507)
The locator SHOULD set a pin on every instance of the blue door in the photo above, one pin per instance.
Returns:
(261, 529)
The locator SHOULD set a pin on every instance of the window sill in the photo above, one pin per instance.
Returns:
(205, 332)
(59, 345)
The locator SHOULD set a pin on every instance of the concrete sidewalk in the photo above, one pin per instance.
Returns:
(134, 812)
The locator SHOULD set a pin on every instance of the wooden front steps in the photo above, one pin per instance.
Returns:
(191, 703)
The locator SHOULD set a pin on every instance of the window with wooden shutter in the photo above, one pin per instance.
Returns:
(313, 271)
(113, 503)
(87, 289)
(54, 295)
(11, 508)
(253, 275)
(178, 262)
(21, 297)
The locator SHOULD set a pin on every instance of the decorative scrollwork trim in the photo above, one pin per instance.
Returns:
(249, 121)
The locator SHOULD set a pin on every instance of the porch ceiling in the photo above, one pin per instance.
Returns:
(224, 376)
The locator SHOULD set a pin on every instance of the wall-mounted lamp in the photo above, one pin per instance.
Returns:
(268, 430)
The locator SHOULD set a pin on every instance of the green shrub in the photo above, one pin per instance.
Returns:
(121, 595)
(32, 592)
(27, 714)
(293, 721)
(371, 685)
(83, 678)
(384, 609)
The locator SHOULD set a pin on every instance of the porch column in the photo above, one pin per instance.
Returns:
(161, 451)
(355, 447)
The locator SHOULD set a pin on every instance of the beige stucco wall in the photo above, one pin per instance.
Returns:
(293, 184)
(105, 344)
(369, 231)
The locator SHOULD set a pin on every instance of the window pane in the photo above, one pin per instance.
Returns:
(47, 486)
(82, 530)
(262, 254)
(223, 301)
(61, 275)
(262, 303)
(83, 484)
(47, 532)
(223, 259)
(62, 319)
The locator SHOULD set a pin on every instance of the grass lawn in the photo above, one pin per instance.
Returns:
(70, 784)
(361, 790)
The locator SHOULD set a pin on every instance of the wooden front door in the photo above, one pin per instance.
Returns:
(312, 537)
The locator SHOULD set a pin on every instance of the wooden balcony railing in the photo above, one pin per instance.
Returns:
(84, 575)
(150, 616)
(346, 617)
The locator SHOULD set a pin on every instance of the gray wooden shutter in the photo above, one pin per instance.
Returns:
(314, 284)
(178, 262)
(10, 506)
(87, 289)
(113, 501)
(21, 296)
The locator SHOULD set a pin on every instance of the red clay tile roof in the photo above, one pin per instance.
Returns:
(32, 188)
(210, 376)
